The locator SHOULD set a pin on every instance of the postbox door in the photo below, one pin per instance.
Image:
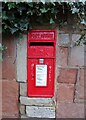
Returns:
(40, 78)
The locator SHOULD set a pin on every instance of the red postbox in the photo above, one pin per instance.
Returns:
(41, 50)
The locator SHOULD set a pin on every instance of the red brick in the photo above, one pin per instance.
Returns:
(65, 93)
(10, 99)
(9, 68)
(67, 75)
(62, 57)
(70, 110)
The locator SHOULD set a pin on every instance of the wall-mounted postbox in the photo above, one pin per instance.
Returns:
(41, 50)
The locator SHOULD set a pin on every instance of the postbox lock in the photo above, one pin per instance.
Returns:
(41, 60)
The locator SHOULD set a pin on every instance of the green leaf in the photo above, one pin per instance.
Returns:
(51, 21)
(11, 5)
(13, 30)
(43, 10)
(4, 16)
(30, 4)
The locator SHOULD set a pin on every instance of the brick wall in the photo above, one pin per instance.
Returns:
(69, 89)
(70, 76)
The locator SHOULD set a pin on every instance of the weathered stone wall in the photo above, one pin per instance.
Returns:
(69, 89)
(10, 87)
(70, 76)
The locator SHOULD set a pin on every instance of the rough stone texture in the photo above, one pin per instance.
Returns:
(36, 101)
(24, 116)
(62, 56)
(9, 58)
(80, 87)
(67, 75)
(40, 112)
(75, 38)
(23, 89)
(0, 70)
(77, 56)
(63, 39)
(9, 68)
(70, 110)
(22, 109)
(10, 43)
(22, 60)
(0, 99)
(85, 56)
(82, 76)
(10, 99)
(65, 92)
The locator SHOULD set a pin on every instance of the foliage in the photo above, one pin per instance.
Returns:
(18, 17)
(2, 47)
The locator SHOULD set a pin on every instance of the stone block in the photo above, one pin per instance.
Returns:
(70, 110)
(62, 56)
(10, 43)
(0, 97)
(63, 40)
(75, 38)
(82, 76)
(65, 92)
(80, 87)
(77, 56)
(0, 70)
(40, 112)
(10, 99)
(22, 60)
(67, 75)
(36, 101)
(9, 68)
(22, 109)
(23, 89)
(24, 116)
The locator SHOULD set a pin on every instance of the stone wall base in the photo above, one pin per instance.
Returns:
(37, 107)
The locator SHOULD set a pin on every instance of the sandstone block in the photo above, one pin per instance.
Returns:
(67, 75)
(65, 92)
(40, 112)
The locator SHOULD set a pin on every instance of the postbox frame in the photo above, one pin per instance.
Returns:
(35, 57)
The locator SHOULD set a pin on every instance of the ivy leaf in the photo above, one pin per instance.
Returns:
(83, 22)
(11, 5)
(75, 10)
(4, 16)
(13, 30)
(30, 4)
(51, 21)
(43, 10)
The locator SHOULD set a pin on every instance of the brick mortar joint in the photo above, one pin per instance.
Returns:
(73, 84)
(71, 67)
(40, 106)
(68, 32)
